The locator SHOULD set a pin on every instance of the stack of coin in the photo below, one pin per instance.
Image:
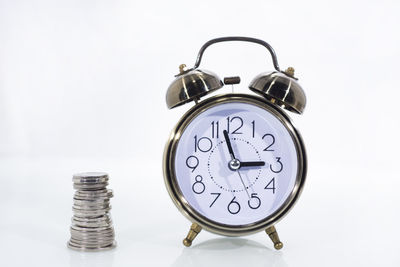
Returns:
(91, 228)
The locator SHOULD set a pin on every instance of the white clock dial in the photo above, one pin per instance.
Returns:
(250, 182)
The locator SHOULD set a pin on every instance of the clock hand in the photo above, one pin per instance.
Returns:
(228, 144)
(249, 164)
(252, 163)
(244, 186)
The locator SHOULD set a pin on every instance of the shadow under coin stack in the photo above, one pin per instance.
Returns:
(91, 228)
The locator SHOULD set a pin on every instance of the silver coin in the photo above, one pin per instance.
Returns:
(92, 234)
(105, 182)
(84, 215)
(104, 190)
(90, 187)
(91, 224)
(94, 194)
(87, 200)
(81, 208)
(90, 175)
(89, 234)
(96, 220)
(91, 245)
(94, 209)
(91, 201)
(91, 207)
(89, 180)
(92, 238)
(105, 207)
(93, 241)
(87, 221)
(91, 231)
(92, 198)
(90, 249)
(104, 218)
(99, 248)
(90, 212)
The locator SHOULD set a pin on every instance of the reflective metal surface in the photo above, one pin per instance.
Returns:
(190, 212)
(91, 227)
(195, 83)
(232, 80)
(191, 85)
(237, 38)
(280, 89)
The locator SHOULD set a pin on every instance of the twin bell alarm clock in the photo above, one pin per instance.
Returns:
(234, 163)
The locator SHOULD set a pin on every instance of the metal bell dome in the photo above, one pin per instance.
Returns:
(281, 88)
(191, 85)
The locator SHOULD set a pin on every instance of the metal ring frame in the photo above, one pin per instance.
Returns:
(176, 194)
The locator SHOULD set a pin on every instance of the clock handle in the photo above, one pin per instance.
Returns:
(237, 38)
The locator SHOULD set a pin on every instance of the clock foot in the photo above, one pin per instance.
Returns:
(193, 232)
(271, 232)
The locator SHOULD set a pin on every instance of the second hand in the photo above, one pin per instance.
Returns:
(244, 186)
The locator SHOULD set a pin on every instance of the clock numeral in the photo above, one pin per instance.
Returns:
(254, 201)
(280, 168)
(203, 144)
(215, 129)
(272, 138)
(217, 196)
(192, 162)
(198, 187)
(254, 127)
(272, 186)
(234, 206)
(229, 121)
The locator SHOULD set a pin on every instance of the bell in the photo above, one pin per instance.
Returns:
(191, 85)
(280, 88)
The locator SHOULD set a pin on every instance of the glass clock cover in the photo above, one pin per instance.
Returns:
(243, 188)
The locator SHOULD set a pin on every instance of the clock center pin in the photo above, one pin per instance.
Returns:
(234, 164)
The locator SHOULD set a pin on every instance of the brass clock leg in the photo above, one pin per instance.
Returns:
(271, 231)
(193, 232)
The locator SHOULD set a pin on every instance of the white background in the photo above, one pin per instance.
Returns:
(82, 88)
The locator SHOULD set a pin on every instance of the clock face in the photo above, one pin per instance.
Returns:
(236, 163)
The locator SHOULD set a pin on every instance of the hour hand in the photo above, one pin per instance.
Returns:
(252, 163)
(228, 144)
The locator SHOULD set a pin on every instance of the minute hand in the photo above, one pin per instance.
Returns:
(252, 164)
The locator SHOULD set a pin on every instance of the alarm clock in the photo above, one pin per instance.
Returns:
(234, 163)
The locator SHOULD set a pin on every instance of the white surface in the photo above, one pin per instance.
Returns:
(212, 175)
(335, 222)
(82, 87)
